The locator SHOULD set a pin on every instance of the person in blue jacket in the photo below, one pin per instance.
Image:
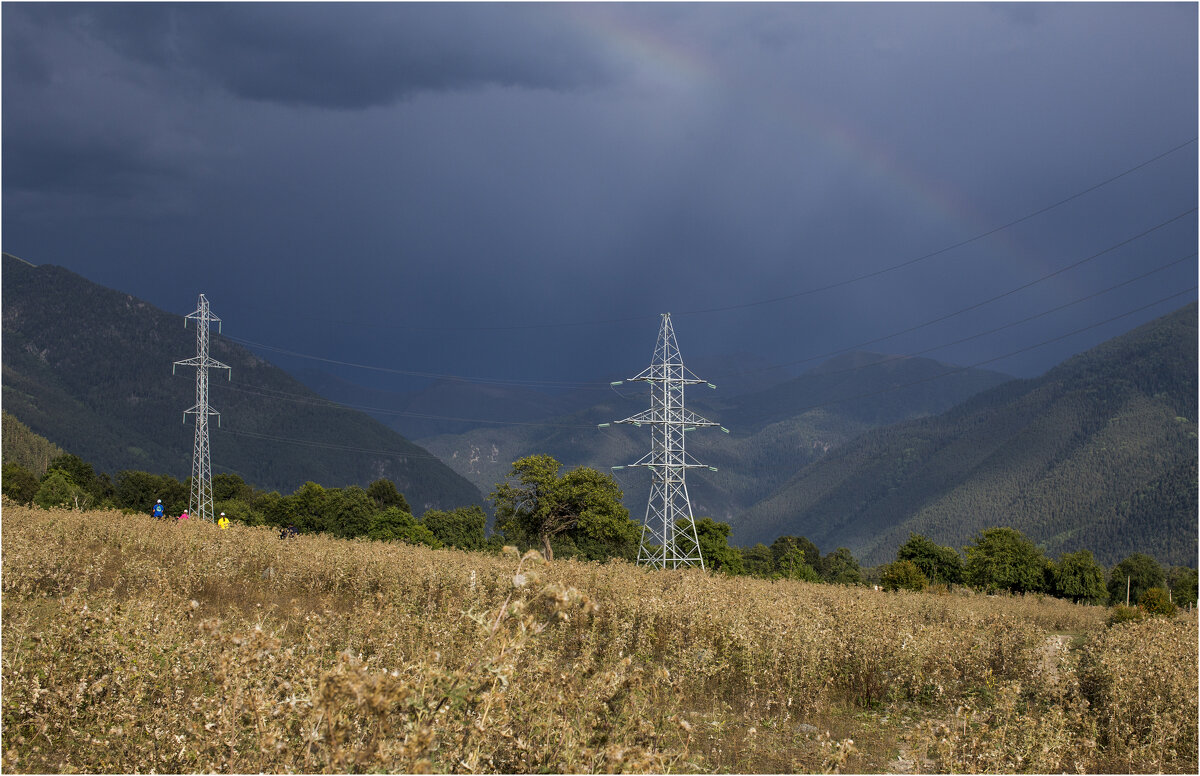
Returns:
(158, 510)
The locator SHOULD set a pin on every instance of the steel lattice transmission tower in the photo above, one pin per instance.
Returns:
(200, 501)
(669, 537)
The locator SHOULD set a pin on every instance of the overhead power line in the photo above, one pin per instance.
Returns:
(948, 248)
(513, 382)
(797, 294)
(1044, 313)
(313, 400)
(977, 364)
(596, 386)
(320, 401)
(890, 389)
(987, 301)
(332, 445)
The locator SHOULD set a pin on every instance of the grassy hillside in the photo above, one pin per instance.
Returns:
(90, 369)
(138, 646)
(1098, 453)
(774, 432)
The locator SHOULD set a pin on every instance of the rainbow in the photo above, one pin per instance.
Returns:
(688, 68)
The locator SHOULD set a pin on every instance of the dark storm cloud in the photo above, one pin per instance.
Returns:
(59, 161)
(424, 179)
(348, 56)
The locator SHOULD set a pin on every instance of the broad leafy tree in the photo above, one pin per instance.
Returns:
(785, 544)
(348, 512)
(57, 490)
(582, 505)
(1003, 559)
(306, 508)
(394, 524)
(1181, 581)
(715, 549)
(383, 492)
(139, 490)
(227, 487)
(78, 471)
(840, 567)
(462, 528)
(1141, 572)
(19, 484)
(794, 565)
(1079, 577)
(758, 560)
(902, 575)
(937, 564)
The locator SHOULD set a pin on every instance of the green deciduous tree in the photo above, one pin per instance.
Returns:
(273, 508)
(394, 524)
(139, 490)
(1080, 578)
(1003, 559)
(840, 567)
(227, 487)
(937, 564)
(758, 560)
(383, 492)
(785, 544)
(57, 490)
(902, 575)
(306, 508)
(715, 549)
(20, 484)
(78, 471)
(462, 528)
(794, 565)
(348, 512)
(1140, 571)
(582, 505)
(1181, 581)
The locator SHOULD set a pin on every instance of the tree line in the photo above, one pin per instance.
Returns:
(578, 514)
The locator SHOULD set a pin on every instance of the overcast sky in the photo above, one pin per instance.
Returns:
(518, 191)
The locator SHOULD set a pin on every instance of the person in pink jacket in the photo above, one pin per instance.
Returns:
(184, 516)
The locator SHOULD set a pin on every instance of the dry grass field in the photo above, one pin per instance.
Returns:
(136, 646)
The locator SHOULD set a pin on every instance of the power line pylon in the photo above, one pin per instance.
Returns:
(200, 501)
(669, 537)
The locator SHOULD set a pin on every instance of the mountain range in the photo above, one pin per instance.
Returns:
(1100, 452)
(90, 369)
(774, 432)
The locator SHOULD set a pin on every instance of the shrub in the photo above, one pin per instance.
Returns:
(1122, 613)
(1156, 601)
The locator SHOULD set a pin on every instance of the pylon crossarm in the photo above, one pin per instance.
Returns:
(657, 415)
(661, 373)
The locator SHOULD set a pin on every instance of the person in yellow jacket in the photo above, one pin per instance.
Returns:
(223, 521)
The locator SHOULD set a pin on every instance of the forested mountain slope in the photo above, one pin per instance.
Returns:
(774, 432)
(25, 448)
(89, 368)
(1098, 453)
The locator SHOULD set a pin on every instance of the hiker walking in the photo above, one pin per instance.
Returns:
(159, 511)
(183, 516)
(223, 521)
